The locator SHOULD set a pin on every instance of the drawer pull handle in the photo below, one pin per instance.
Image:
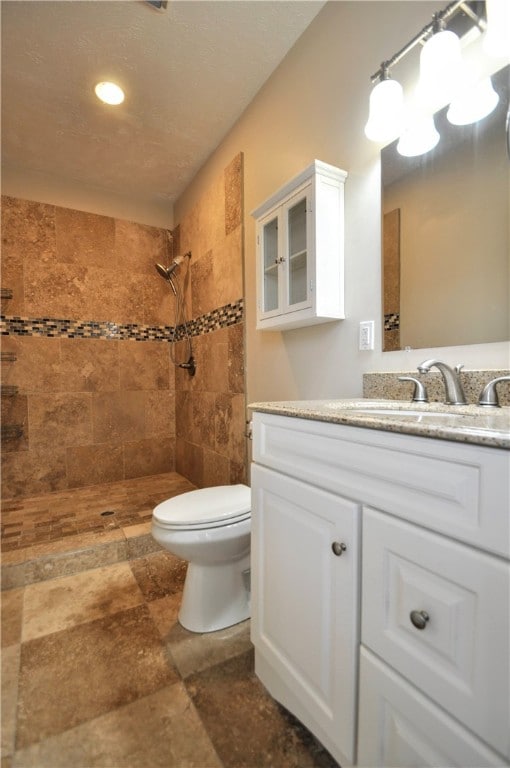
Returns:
(338, 548)
(419, 619)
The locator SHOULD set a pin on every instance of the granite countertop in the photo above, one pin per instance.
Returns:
(459, 423)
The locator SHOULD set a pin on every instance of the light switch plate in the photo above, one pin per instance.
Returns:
(366, 335)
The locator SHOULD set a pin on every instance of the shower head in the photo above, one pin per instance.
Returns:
(167, 272)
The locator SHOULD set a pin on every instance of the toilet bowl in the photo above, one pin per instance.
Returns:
(210, 528)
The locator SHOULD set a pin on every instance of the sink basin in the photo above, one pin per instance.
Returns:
(400, 412)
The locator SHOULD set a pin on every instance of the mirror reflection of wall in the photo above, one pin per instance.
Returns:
(451, 236)
(391, 282)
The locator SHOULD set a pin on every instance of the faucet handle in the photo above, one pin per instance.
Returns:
(489, 395)
(458, 368)
(420, 392)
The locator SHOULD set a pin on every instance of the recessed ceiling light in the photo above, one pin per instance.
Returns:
(110, 93)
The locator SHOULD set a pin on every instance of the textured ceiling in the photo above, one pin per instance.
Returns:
(188, 73)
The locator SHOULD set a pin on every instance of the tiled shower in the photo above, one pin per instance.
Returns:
(88, 387)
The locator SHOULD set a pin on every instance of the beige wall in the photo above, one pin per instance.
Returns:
(454, 258)
(315, 106)
(40, 187)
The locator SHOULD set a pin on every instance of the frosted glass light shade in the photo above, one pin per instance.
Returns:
(496, 41)
(440, 70)
(419, 137)
(473, 103)
(386, 111)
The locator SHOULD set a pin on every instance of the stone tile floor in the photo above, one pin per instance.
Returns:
(97, 671)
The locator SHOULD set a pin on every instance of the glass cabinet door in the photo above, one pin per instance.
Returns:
(297, 254)
(270, 275)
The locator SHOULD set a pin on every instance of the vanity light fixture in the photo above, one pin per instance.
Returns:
(419, 136)
(475, 102)
(109, 93)
(443, 80)
(497, 38)
(440, 67)
(386, 109)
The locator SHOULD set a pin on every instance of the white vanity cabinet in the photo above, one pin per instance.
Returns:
(300, 251)
(400, 658)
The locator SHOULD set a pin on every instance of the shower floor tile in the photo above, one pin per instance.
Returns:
(109, 506)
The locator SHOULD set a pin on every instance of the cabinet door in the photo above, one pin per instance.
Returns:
(305, 603)
(401, 728)
(296, 263)
(269, 265)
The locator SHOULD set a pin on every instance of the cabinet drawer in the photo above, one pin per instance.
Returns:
(459, 490)
(460, 658)
(401, 728)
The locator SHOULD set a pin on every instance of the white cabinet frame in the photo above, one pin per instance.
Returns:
(319, 275)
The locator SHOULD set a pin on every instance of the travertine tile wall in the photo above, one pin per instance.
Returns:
(210, 407)
(95, 410)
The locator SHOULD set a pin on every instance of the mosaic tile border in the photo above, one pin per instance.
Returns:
(392, 321)
(230, 314)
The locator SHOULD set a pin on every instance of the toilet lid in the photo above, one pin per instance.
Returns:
(206, 506)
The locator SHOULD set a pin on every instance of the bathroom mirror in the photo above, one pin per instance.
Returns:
(446, 276)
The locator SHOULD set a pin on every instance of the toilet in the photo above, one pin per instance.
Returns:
(210, 528)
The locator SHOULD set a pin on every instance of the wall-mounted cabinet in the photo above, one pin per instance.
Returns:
(300, 232)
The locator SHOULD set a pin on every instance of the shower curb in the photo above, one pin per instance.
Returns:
(42, 567)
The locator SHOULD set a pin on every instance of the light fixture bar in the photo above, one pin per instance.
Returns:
(438, 18)
(480, 23)
(160, 5)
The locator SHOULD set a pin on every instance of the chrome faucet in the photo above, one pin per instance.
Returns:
(452, 384)
(489, 395)
(419, 392)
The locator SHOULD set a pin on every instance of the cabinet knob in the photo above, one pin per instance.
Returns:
(419, 619)
(338, 547)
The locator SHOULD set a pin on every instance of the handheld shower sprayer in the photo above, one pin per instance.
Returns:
(167, 273)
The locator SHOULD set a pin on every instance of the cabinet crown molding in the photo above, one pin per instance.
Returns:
(317, 167)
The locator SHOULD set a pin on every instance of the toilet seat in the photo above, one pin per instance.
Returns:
(205, 508)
